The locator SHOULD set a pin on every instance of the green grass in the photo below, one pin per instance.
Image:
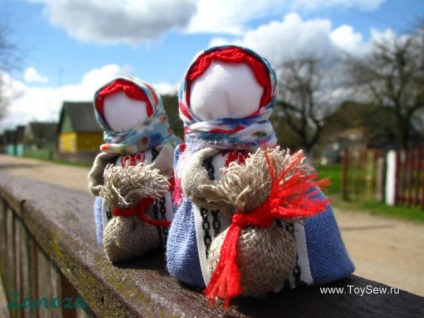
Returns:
(40, 154)
(375, 207)
(333, 172)
(71, 163)
(44, 155)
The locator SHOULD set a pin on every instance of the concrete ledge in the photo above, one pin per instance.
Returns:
(61, 222)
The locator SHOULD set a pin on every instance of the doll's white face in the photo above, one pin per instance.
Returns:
(225, 91)
(123, 113)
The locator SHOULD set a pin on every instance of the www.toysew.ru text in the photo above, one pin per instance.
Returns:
(361, 291)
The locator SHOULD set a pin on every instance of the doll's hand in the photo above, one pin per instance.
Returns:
(95, 176)
(165, 160)
(125, 187)
(195, 176)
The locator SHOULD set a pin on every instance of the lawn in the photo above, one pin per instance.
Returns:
(46, 155)
(334, 172)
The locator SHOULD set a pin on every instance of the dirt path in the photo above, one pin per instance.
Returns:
(68, 176)
(385, 250)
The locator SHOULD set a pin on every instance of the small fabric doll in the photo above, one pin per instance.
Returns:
(133, 175)
(250, 217)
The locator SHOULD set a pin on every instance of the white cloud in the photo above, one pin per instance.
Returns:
(27, 103)
(346, 39)
(31, 75)
(223, 16)
(366, 5)
(166, 88)
(231, 17)
(35, 103)
(289, 38)
(135, 21)
(112, 21)
(293, 37)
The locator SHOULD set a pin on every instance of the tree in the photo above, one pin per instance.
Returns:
(392, 76)
(303, 101)
(9, 59)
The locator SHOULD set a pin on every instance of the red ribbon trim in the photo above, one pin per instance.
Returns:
(140, 210)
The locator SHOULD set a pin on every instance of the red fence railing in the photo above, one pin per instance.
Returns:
(363, 174)
(409, 187)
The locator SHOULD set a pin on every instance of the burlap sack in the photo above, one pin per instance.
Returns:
(266, 257)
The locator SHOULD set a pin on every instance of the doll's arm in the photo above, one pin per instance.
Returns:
(164, 160)
(126, 187)
(95, 176)
(195, 181)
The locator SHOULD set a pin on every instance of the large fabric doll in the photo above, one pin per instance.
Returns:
(132, 177)
(250, 217)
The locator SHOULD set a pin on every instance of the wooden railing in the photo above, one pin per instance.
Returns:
(49, 255)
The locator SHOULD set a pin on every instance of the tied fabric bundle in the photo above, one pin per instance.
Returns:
(132, 178)
(250, 219)
(233, 126)
(287, 194)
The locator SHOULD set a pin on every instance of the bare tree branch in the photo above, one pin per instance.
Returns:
(10, 58)
(393, 77)
(300, 84)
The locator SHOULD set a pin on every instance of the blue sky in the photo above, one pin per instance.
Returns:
(71, 47)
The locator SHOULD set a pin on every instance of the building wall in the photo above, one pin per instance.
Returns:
(11, 150)
(89, 141)
(20, 148)
(71, 142)
(68, 142)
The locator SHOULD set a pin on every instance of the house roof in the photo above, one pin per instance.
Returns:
(20, 132)
(14, 136)
(81, 117)
(9, 136)
(44, 130)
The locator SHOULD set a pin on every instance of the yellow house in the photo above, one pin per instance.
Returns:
(78, 129)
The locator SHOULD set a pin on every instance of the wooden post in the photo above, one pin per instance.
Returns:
(397, 174)
(410, 175)
(345, 168)
(422, 181)
(417, 174)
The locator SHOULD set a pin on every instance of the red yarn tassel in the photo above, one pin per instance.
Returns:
(225, 281)
(290, 199)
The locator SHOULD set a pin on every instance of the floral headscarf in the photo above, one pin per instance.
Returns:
(151, 132)
(246, 133)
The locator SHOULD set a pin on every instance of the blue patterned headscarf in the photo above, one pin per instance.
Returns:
(230, 133)
(153, 131)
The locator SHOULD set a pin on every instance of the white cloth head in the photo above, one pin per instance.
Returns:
(225, 90)
(123, 113)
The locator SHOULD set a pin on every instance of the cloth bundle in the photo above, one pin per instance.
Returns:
(222, 230)
(132, 176)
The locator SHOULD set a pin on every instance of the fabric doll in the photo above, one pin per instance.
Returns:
(250, 217)
(133, 175)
